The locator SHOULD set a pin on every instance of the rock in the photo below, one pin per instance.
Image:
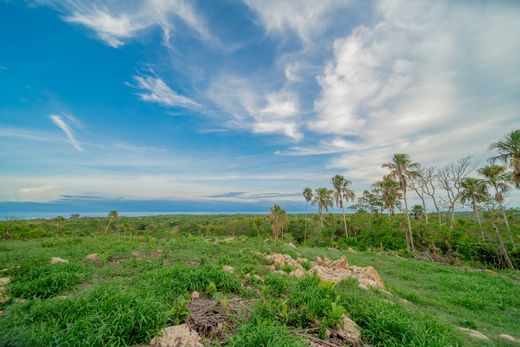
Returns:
(473, 333)
(271, 267)
(290, 244)
(297, 273)
(332, 249)
(279, 272)
(509, 338)
(56, 260)
(94, 257)
(195, 295)
(156, 253)
(341, 263)
(228, 268)
(351, 250)
(349, 331)
(368, 277)
(4, 281)
(491, 272)
(177, 336)
(137, 254)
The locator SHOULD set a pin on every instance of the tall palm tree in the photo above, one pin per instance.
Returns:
(500, 180)
(307, 194)
(389, 191)
(342, 194)
(112, 216)
(474, 191)
(402, 169)
(509, 153)
(278, 219)
(322, 198)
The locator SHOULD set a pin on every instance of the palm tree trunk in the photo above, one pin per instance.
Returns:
(305, 231)
(321, 216)
(108, 226)
(344, 220)
(477, 214)
(503, 249)
(507, 225)
(408, 221)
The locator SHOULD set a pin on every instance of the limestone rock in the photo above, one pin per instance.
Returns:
(509, 338)
(474, 333)
(349, 331)
(290, 244)
(4, 281)
(94, 257)
(228, 268)
(56, 260)
(297, 273)
(195, 295)
(177, 336)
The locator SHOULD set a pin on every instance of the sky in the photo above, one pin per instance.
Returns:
(243, 103)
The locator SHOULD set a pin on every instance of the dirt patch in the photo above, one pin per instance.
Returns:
(215, 320)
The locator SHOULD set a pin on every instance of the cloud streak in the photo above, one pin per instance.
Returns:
(154, 89)
(60, 123)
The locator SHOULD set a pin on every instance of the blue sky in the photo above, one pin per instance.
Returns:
(245, 101)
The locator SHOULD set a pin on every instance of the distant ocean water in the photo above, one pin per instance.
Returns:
(48, 215)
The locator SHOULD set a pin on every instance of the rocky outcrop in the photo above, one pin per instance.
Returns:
(94, 258)
(330, 270)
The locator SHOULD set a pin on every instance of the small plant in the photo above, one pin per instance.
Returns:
(179, 312)
(211, 289)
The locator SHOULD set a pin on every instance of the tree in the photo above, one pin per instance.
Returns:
(497, 178)
(322, 198)
(278, 219)
(389, 192)
(307, 195)
(112, 216)
(371, 202)
(474, 191)
(428, 187)
(342, 194)
(60, 222)
(509, 153)
(417, 183)
(417, 211)
(402, 169)
(450, 178)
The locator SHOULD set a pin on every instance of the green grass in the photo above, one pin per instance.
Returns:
(134, 291)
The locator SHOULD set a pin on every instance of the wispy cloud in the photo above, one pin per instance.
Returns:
(60, 123)
(154, 89)
(116, 22)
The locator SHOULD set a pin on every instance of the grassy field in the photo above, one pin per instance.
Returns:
(139, 285)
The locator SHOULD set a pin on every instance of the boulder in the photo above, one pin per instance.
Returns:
(290, 244)
(368, 277)
(177, 336)
(56, 260)
(474, 333)
(349, 331)
(195, 295)
(297, 273)
(4, 281)
(94, 257)
(509, 338)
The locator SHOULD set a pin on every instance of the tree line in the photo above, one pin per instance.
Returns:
(461, 183)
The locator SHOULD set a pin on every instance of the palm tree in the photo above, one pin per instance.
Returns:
(500, 180)
(322, 198)
(388, 190)
(60, 222)
(509, 153)
(307, 194)
(474, 191)
(402, 169)
(278, 219)
(112, 216)
(341, 193)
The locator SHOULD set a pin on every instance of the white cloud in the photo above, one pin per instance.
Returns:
(37, 190)
(115, 22)
(307, 18)
(433, 79)
(156, 90)
(58, 120)
(276, 113)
